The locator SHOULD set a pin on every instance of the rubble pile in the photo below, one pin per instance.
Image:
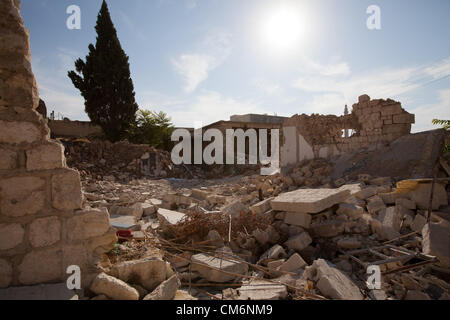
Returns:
(253, 237)
(102, 160)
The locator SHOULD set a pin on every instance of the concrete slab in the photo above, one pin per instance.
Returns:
(309, 200)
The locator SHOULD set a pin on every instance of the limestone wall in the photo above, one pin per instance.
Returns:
(374, 124)
(75, 129)
(43, 228)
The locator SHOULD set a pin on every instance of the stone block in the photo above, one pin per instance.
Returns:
(113, 288)
(15, 132)
(46, 156)
(41, 266)
(8, 159)
(88, 224)
(262, 290)
(6, 273)
(309, 200)
(435, 241)
(333, 283)
(169, 218)
(44, 232)
(261, 207)
(66, 190)
(366, 193)
(298, 219)
(350, 210)
(375, 204)
(294, 263)
(21, 196)
(390, 224)
(11, 235)
(234, 209)
(404, 118)
(148, 273)
(328, 229)
(299, 242)
(211, 268)
(406, 203)
(74, 255)
(418, 223)
(166, 290)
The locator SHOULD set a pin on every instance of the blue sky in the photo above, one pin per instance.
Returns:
(204, 60)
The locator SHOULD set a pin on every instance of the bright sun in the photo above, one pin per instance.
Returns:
(283, 28)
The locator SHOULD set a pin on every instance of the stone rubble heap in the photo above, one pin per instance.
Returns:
(290, 245)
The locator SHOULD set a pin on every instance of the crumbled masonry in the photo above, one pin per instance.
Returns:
(141, 228)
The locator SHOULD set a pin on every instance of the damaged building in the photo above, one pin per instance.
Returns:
(357, 192)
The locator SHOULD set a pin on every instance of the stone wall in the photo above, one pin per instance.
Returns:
(43, 228)
(73, 129)
(374, 124)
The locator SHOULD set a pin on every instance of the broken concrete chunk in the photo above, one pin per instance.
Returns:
(166, 290)
(353, 188)
(262, 290)
(299, 242)
(294, 263)
(406, 203)
(349, 243)
(350, 210)
(375, 204)
(261, 207)
(275, 253)
(234, 209)
(381, 181)
(218, 269)
(418, 223)
(169, 218)
(328, 229)
(366, 193)
(390, 224)
(215, 238)
(113, 288)
(419, 191)
(333, 283)
(199, 194)
(148, 272)
(309, 200)
(298, 219)
(135, 210)
(124, 223)
(436, 240)
(148, 209)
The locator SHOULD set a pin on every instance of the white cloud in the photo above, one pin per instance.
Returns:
(426, 113)
(211, 106)
(194, 68)
(381, 83)
(335, 68)
(440, 69)
(266, 86)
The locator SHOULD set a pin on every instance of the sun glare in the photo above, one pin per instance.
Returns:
(283, 28)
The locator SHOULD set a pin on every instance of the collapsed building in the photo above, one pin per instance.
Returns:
(310, 232)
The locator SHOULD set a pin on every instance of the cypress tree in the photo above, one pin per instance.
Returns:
(104, 81)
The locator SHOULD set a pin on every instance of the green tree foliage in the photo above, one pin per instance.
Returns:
(152, 128)
(104, 81)
(446, 125)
